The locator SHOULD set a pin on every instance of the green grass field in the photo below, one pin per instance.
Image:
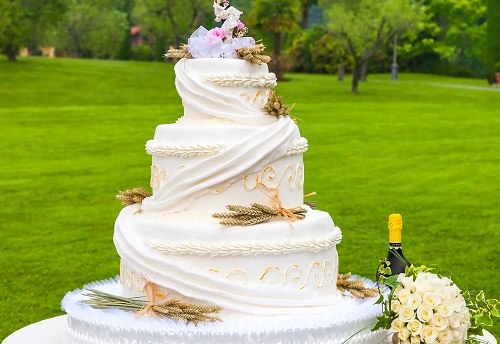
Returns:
(72, 134)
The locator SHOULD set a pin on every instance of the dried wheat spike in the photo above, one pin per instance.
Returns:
(181, 52)
(133, 196)
(274, 105)
(254, 55)
(355, 287)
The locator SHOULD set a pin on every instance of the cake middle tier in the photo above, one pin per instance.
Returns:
(273, 268)
(206, 167)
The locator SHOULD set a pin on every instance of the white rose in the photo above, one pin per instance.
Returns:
(444, 293)
(415, 340)
(406, 342)
(422, 287)
(429, 334)
(424, 313)
(439, 322)
(407, 282)
(445, 336)
(406, 314)
(431, 299)
(403, 296)
(415, 327)
(395, 306)
(458, 303)
(446, 309)
(403, 334)
(414, 300)
(455, 320)
(397, 325)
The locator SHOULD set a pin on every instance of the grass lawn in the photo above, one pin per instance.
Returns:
(73, 132)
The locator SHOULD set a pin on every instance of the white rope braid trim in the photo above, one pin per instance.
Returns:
(198, 248)
(197, 151)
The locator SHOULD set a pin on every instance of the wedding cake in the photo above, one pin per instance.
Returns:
(226, 222)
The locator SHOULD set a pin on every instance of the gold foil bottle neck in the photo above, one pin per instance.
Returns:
(395, 228)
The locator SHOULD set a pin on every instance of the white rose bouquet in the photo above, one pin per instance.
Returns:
(424, 307)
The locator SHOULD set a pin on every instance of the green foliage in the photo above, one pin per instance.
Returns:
(317, 51)
(275, 16)
(492, 37)
(14, 26)
(482, 311)
(142, 52)
(497, 67)
(170, 22)
(92, 29)
(366, 26)
(454, 30)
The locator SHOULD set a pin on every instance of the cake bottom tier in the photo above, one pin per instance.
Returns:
(350, 318)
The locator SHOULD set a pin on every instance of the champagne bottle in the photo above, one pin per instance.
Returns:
(395, 255)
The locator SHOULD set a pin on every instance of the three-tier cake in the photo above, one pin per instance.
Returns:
(274, 273)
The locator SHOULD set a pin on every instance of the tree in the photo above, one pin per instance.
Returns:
(92, 28)
(278, 17)
(493, 38)
(28, 23)
(166, 22)
(306, 6)
(14, 21)
(451, 40)
(367, 26)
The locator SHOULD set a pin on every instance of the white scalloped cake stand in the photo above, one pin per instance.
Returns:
(51, 331)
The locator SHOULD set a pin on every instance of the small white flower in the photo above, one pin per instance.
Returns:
(406, 314)
(424, 313)
(429, 334)
(415, 327)
(403, 334)
(414, 300)
(395, 306)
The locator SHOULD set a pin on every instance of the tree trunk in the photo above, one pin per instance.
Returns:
(340, 72)
(11, 53)
(356, 76)
(364, 70)
(305, 16)
(277, 55)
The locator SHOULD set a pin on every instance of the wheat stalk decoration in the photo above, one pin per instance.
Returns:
(239, 215)
(178, 53)
(254, 55)
(133, 196)
(173, 309)
(355, 287)
(274, 105)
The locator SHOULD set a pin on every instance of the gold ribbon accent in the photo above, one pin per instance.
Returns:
(151, 293)
(291, 214)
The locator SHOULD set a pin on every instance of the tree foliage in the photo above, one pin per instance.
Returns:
(170, 22)
(368, 26)
(277, 17)
(454, 31)
(493, 38)
(92, 28)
